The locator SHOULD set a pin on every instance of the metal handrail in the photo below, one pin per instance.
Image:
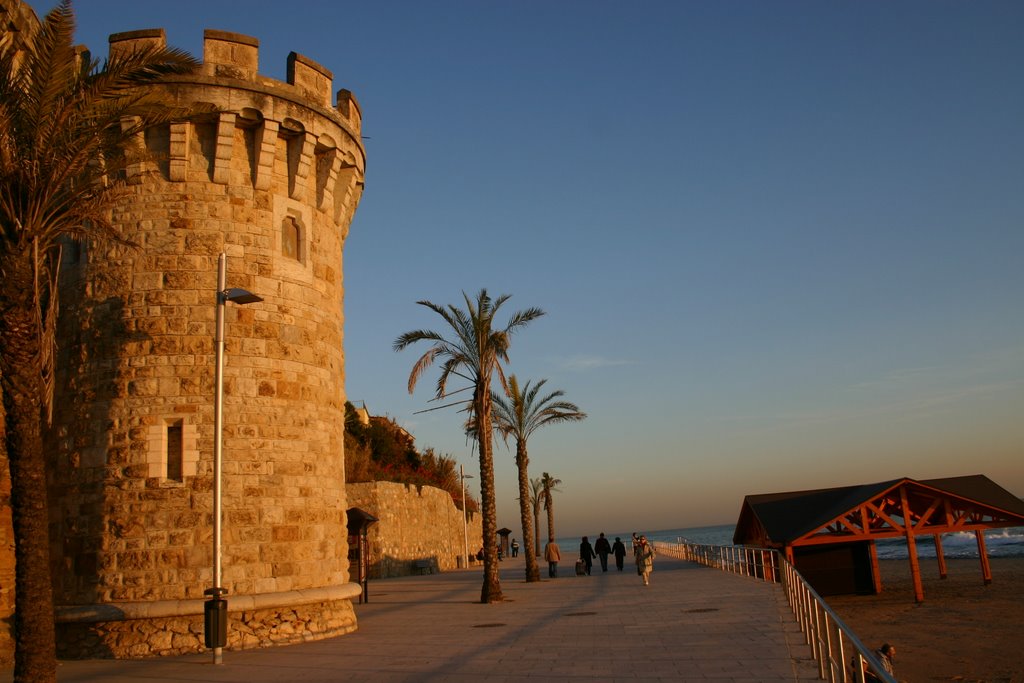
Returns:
(827, 635)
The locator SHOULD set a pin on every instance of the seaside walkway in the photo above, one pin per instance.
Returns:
(692, 623)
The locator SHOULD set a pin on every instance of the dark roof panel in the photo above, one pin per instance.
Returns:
(980, 488)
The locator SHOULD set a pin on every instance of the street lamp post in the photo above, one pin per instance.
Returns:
(216, 610)
(465, 521)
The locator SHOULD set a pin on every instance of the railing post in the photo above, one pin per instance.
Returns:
(805, 608)
(842, 653)
(828, 648)
(858, 672)
(822, 656)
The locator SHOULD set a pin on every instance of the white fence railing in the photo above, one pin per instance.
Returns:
(826, 634)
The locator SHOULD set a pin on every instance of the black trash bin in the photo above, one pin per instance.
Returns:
(215, 613)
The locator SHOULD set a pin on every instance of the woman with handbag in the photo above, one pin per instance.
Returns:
(645, 560)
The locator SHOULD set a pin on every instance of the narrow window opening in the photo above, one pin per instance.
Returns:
(291, 238)
(175, 451)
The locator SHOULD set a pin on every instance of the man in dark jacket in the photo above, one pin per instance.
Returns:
(619, 551)
(603, 550)
(587, 554)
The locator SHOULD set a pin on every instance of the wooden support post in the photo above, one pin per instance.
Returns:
(876, 575)
(915, 565)
(940, 556)
(768, 566)
(986, 568)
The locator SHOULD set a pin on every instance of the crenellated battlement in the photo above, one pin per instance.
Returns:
(235, 56)
(282, 137)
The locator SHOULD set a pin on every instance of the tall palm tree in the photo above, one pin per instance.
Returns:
(518, 414)
(549, 484)
(537, 500)
(64, 124)
(475, 353)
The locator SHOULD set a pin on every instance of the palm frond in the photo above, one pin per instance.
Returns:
(64, 120)
(424, 362)
(447, 405)
(521, 412)
(410, 338)
(522, 318)
(450, 368)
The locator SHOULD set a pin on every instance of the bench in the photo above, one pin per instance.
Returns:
(423, 566)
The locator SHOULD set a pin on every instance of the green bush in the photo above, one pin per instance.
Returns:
(383, 451)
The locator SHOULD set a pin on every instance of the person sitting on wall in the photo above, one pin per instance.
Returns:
(885, 655)
(480, 555)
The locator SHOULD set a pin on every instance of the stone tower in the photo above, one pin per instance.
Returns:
(273, 181)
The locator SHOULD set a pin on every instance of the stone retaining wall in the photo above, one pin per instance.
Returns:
(79, 637)
(416, 523)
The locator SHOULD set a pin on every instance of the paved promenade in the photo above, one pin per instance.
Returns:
(691, 624)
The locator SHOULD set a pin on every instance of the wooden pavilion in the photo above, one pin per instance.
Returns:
(829, 534)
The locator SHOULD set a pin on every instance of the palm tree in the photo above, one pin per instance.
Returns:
(474, 353)
(537, 500)
(549, 484)
(64, 124)
(518, 414)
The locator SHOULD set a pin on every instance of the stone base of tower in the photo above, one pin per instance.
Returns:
(175, 627)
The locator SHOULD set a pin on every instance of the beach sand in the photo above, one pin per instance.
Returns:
(963, 631)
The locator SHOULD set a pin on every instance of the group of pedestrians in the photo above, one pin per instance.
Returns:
(643, 555)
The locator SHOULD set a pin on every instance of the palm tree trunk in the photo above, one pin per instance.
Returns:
(35, 642)
(549, 507)
(536, 528)
(522, 460)
(491, 589)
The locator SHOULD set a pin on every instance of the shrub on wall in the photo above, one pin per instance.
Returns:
(383, 451)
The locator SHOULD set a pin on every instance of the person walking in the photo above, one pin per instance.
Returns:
(619, 551)
(645, 560)
(587, 554)
(552, 554)
(515, 548)
(603, 550)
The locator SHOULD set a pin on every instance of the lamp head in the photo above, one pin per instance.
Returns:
(241, 296)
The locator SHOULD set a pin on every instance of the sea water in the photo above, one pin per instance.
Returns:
(1006, 542)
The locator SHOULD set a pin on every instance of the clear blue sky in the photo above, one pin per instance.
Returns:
(780, 244)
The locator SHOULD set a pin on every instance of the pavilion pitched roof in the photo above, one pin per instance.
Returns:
(779, 519)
